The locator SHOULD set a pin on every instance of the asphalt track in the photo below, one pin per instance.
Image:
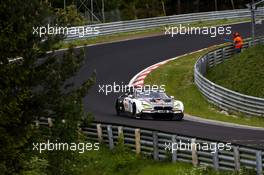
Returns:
(120, 61)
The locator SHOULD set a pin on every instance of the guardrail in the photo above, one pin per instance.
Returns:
(147, 23)
(222, 97)
(154, 143)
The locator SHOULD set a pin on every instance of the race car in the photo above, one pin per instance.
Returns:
(155, 104)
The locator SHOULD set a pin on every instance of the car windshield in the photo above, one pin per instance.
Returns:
(151, 94)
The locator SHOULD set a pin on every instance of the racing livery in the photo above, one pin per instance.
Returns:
(149, 103)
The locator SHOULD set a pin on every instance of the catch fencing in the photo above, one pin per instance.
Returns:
(155, 144)
(222, 97)
(150, 23)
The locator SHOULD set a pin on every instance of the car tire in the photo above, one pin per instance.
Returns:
(117, 107)
(134, 111)
(179, 117)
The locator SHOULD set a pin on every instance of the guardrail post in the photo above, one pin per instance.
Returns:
(120, 135)
(259, 163)
(110, 136)
(236, 158)
(203, 66)
(174, 151)
(216, 158)
(155, 145)
(99, 133)
(50, 122)
(194, 152)
(250, 44)
(137, 141)
(37, 124)
(224, 53)
(214, 58)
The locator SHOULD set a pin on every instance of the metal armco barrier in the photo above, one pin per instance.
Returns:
(224, 98)
(148, 23)
(154, 144)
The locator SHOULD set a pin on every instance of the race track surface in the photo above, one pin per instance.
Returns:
(119, 62)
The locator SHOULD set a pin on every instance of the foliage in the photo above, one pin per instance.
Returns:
(38, 86)
(70, 16)
(36, 166)
(124, 162)
(118, 162)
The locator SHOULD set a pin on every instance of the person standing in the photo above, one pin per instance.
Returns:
(238, 42)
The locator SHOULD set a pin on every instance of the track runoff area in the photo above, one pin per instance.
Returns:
(118, 62)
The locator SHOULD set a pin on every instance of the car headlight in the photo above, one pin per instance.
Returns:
(177, 105)
(146, 105)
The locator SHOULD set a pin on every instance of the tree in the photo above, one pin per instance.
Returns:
(130, 8)
(70, 16)
(36, 87)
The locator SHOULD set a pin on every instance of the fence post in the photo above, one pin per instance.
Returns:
(174, 151)
(120, 135)
(216, 158)
(155, 145)
(99, 133)
(137, 141)
(194, 152)
(236, 158)
(110, 136)
(50, 122)
(259, 163)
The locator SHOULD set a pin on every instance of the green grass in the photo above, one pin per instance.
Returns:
(243, 73)
(142, 33)
(120, 162)
(177, 76)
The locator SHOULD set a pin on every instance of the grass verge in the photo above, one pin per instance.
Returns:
(177, 75)
(242, 73)
(124, 162)
(139, 34)
(119, 161)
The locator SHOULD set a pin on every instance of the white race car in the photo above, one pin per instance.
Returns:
(149, 103)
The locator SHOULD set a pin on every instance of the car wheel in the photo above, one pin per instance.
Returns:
(117, 107)
(134, 111)
(179, 117)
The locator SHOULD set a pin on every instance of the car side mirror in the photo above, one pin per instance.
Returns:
(172, 97)
(130, 96)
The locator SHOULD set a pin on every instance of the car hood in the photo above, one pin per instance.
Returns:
(157, 101)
